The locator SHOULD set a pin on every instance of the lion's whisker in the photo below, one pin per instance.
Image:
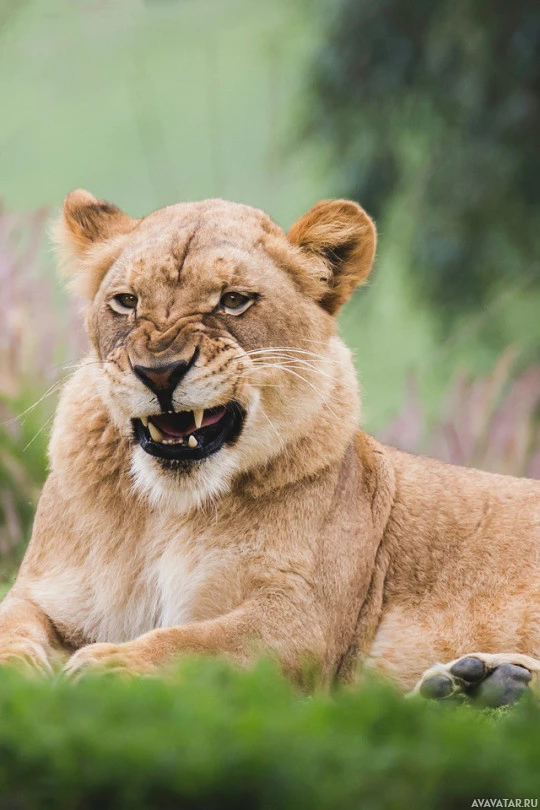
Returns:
(42, 428)
(307, 382)
(277, 366)
(19, 416)
(279, 437)
(292, 349)
(298, 363)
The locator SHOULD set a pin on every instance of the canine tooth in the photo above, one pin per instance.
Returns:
(192, 441)
(155, 432)
(199, 416)
(144, 420)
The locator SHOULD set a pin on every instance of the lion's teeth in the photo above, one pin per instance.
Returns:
(192, 441)
(155, 433)
(144, 420)
(199, 416)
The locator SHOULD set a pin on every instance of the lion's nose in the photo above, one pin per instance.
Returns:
(162, 380)
(159, 378)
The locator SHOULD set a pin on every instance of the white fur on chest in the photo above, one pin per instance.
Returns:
(117, 597)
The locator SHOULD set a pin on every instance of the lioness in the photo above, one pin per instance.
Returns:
(210, 490)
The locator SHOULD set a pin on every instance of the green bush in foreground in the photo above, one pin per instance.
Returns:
(215, 737)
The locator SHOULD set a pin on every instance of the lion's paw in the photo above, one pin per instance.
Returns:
(489, 680)
(119, 658)
(28, 657)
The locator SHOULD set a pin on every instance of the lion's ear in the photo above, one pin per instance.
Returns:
(88, 221)
(88, 237)
(341, 234)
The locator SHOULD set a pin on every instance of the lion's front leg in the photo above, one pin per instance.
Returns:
(492, 680)
(287, 632)
(27, 637)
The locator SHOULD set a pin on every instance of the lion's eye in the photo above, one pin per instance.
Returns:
(235, 303)
(123, 303)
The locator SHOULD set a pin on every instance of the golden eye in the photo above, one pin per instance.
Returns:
(123, 303)
(235, 303)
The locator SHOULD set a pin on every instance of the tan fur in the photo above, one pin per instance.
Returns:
(306, 538)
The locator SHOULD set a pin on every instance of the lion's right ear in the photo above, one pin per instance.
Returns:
(89, 237)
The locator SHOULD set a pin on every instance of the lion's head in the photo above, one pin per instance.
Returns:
(213, 330)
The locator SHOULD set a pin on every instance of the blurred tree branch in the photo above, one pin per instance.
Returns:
(451, 91)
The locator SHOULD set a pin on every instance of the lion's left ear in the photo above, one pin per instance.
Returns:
(341, 234)
(88, 237)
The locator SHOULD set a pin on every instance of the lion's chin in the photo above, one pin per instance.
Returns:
(178, 439)
(178, 487)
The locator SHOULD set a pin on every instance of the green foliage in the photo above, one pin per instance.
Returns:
(440, 99)
(216, 737)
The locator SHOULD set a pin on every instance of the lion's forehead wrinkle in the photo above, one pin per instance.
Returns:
(217, 239)
(217, 232)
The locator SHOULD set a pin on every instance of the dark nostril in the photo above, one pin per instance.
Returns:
(162, 380)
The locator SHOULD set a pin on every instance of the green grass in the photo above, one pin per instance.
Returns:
(217, 737)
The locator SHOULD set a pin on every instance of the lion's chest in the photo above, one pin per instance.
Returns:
(117, 596)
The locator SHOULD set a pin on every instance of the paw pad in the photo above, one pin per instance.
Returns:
(437, 687)
(471, 670)
(501, 685)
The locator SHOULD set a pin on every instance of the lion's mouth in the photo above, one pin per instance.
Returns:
(189, 435)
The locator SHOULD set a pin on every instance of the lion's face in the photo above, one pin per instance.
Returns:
(215, 343)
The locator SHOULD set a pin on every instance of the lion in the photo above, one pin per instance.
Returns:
(211, 491)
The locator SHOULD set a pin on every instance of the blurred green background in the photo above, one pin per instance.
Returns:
(426, 112)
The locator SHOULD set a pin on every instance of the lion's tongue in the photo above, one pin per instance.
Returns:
(178, 425)
(213, 415)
